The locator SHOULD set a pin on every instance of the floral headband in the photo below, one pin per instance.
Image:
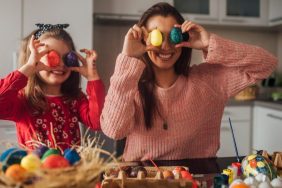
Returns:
(48, 27)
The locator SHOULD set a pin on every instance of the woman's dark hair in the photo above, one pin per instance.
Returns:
(146, 83)
(33, 92)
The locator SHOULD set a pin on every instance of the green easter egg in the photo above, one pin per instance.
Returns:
(176, 35)
(50, 152)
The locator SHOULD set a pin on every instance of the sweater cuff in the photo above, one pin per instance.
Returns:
(130, 66)
(213, 44)
(95, 85)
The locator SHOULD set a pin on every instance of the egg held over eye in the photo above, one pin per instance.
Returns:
(156, 37)
(53, 58)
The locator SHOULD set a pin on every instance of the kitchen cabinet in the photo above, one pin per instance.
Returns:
(200, 11)
(267, 129)
(8, 135)
(10, 34)
(241, 122)
(242, 12)
(123, 9)
(275, 13)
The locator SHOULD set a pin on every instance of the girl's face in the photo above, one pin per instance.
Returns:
(58, 74)
(168, 54)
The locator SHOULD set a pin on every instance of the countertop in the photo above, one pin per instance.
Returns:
(277, 105)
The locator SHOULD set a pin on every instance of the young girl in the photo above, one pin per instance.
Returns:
(44, 98)
(165, 108)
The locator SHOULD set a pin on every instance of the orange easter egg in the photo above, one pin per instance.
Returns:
(16, 172)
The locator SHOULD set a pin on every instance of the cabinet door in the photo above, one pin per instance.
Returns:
(275, 13)
(200, 11)
(241, 122)
(79, 14)
(8, 135)
(267, 129)
(10, 34)
(242, 12)
(123, 9)
(242, 133)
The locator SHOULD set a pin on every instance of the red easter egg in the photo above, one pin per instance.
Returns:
(186, 175)
(253, 163)
(55, 161)
(53, 58)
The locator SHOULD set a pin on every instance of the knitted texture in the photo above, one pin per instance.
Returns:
(192, 106)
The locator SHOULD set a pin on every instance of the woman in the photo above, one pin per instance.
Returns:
(165, 108)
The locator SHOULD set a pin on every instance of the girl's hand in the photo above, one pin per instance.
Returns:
(133, 45)
(88, 68)
(198, 37)
(34, 64)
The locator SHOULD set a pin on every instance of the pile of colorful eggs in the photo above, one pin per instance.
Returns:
(18, 163)
(254, 171)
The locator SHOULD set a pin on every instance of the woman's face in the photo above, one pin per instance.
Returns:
(167, 56)
(60, 73)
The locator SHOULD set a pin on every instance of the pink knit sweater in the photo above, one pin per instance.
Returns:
(192, 106)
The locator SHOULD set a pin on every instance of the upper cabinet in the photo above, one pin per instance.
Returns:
(242, 12)
(275, 13)
(225, 12)
(123, 9)
(201, 11)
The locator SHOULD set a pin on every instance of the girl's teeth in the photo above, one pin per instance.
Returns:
(57, 72)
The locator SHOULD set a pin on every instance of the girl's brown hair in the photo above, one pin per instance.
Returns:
(147, 81)
(33, 91)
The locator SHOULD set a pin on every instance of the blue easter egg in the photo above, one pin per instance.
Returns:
(6, 153)
(14, 157)
(72, 156)
(40, 150)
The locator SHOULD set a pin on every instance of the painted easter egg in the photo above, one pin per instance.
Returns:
(6, 153)
(53, 59)
(14, 157)
(168, 174)
(135, 170)
(31, 162)
(176, 35)
(156, 37)
(40, 150)
(72, 156)
(50, 152)
(55, 161)
(16, 173)
(253, 165)
(71, 60)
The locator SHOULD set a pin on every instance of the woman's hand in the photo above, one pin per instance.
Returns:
(34, 64)
(88, 68)
(198, 37)
(133, 45)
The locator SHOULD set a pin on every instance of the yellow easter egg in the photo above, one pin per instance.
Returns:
(156, 37)
(31, 162)
(16, 173)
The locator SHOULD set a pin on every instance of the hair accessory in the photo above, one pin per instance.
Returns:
(48, 27)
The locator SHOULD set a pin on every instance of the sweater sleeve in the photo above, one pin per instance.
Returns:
(237, 65)
(10, 102)
(90, 109)
(117, 118)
